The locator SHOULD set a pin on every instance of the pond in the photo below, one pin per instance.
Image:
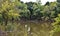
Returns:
(27, 28)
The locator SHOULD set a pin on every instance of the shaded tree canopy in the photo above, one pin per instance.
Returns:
(17, 10)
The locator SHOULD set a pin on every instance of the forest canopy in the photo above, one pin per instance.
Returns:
(16, 10)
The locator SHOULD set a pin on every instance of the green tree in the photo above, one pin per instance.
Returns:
(49, 11)
(56, 25)
(8, 10)
(35, 11)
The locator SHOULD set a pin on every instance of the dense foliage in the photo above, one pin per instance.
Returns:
(56, 24)
(16, 10)
(12, 11)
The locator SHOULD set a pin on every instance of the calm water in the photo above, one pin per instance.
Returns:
(27, 29)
